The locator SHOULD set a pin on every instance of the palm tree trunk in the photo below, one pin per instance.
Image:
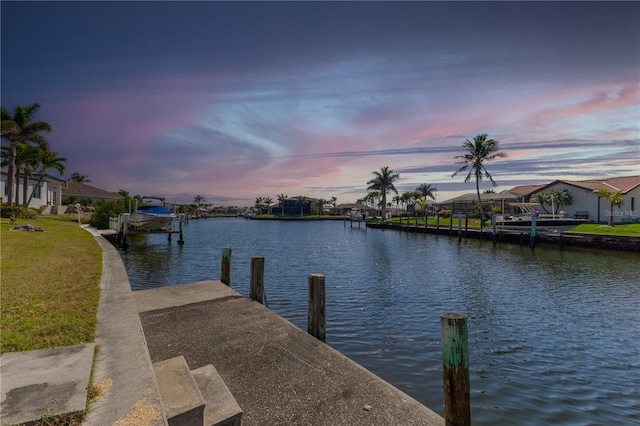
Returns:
(25, 186)
(10, 172)
(480, 203)
(611, 214)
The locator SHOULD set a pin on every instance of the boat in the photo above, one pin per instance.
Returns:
(152, 217)
(355, 215)
(553, 221)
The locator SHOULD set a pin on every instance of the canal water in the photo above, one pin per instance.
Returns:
(554, 335)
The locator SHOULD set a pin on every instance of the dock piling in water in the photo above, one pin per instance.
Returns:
(225, 266)
(455, 369)
(316, 317)
(256, 290)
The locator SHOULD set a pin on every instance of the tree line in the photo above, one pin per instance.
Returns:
(28, 153)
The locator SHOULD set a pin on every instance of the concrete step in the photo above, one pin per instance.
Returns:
(221, 407)
(181, 398)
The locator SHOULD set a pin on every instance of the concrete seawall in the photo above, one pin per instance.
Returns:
(277, 373)
(560, 239)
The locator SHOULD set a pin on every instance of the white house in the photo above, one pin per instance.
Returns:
(47, 193)
(586, 203)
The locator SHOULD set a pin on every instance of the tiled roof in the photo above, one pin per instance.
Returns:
(524, 190)
(83, 190)
(624, 184)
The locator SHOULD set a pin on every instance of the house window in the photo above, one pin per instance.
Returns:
(37, 191)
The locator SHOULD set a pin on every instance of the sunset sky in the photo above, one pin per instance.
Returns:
(235, 100)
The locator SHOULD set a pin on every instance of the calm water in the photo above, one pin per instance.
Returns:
(554, 336)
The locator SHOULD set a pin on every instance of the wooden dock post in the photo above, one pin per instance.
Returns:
(181, 219)
(494, 230)
(450, 222)
(532, 236)
(126, 217)
(466, 225)
(256, 290)
(437, 224)
(459, 227)
(455, 369)
(225, 266)
(316, 317)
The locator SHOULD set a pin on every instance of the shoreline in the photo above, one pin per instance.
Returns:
(560, 239)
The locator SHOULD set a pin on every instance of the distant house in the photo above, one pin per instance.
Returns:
(292, 206)
(45, 193)
(82, 190)
(586, 203)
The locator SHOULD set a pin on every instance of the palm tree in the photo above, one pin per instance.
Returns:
(47, 160)
(559, 198)
(24, 162)
(334, 200)
(426, 190)
(301, 199)
(77, 177)
(267, 201)
(540, 198)
(615, 199)
(321, 203)
(479, 151)
(383, 183)
(21, 128)
(282, 198)
(258, 205)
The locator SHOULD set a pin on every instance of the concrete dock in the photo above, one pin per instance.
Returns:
(277, 373)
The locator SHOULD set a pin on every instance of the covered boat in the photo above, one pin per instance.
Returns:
(152, 217)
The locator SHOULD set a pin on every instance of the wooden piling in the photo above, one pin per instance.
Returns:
(455, 369)
(316, 317)
(459, 227)
(466, 224)
(225, 266)
(256, 291)
(494, 230)
(181, 219)
(532, 236)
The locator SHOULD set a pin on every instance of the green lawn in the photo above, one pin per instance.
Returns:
(632, 229)
(50, 284)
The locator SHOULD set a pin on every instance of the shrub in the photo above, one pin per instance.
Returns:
(103, 210)
(19, 212)
(445, 213)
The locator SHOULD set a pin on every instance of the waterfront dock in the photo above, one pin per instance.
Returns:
(277, 373)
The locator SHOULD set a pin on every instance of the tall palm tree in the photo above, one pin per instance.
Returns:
(47, 160)
(301, 199)
(383, 182)
(26, 161)
(334, 200)
(615, 199)
(479, 151)
(282, 198)
(21, 128)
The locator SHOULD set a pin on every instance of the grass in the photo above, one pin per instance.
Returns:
(632, 229)
(50, 285)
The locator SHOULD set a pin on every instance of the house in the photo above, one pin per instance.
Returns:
(44, 192)
(586, 203)
(81, 191)
(293, 207)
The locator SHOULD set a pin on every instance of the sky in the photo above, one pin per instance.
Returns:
(238, 100)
